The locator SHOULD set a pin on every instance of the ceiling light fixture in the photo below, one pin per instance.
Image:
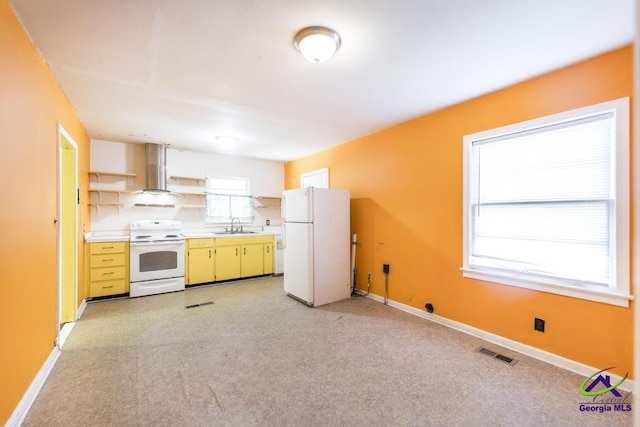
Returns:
(317, 44)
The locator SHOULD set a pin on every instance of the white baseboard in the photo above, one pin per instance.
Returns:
(64, 333)
(32, 392)
(30, 395)
(81, 309)
(67, 327)
(536, 353)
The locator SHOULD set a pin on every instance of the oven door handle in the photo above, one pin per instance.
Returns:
(157, 242)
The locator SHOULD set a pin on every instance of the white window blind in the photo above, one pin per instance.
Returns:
(542, 202)
(228, 198)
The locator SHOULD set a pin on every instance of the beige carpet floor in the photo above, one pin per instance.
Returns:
(256, 357)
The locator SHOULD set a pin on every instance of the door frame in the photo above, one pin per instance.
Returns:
(62, 332)
(317, 178)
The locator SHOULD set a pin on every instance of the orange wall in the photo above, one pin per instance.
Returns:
(406, 190)
(31, 106)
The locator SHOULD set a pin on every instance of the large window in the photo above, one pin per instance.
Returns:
(228, 198)
(547, 204)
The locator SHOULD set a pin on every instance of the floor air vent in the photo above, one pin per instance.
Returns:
(198, 305)
(498, 356)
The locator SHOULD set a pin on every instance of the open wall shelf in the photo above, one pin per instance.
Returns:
(266, 202)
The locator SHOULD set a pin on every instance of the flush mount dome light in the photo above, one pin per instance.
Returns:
(317, 44)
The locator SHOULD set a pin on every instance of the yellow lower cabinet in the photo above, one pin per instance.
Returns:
(107, 268)
(251, 260)
(227, 261)
(243, 256)
(268, 258)
(200, 261)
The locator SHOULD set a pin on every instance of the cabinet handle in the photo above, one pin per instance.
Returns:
(107, 247)
(245, 250)
(267, 248)
(236, 251)
(209, 253)
(108, 273)
(107, 287)
(107, 260)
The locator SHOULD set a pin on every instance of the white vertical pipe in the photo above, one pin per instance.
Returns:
(386, 288)
(354, 245)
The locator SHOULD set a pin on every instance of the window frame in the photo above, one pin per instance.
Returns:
(208, 192)
(618, 291)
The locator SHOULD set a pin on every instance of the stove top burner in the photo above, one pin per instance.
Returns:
(155, 231)
(157, 238)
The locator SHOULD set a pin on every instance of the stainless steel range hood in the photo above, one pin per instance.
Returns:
(155, 176)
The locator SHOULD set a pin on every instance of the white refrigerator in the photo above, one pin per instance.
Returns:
(316, 244)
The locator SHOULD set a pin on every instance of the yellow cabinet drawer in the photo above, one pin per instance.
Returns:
(107, 248)
(108, 260)
(244, 240)
(229, 241)
(199, 243)
(108, 287)
(107, 273)
(262, 239)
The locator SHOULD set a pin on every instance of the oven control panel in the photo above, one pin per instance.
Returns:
(156, 224)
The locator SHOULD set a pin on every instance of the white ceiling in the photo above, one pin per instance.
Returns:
(184, 71)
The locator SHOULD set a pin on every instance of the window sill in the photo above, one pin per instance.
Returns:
(522, 281)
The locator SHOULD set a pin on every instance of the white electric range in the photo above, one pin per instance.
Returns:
(157, 257)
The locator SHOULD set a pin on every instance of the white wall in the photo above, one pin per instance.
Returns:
(267, 179)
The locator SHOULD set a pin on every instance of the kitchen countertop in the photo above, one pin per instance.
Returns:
(195, 233)
(105, 236)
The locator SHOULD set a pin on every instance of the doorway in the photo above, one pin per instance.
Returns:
(318, 178)
(67, 234)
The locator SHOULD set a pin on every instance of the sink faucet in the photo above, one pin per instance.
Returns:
(232, 219)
